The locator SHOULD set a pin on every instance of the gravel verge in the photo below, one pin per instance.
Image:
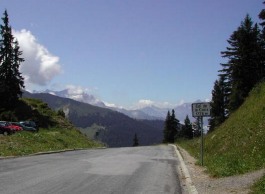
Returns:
(239, 184)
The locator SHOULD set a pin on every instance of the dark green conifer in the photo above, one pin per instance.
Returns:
(170, 128)
(135, 140)
(11, 81)
(262, 16)
(167, 128)
(218, 114)
(173, 127)
(188, 131)
(262, 38)
(244, 67)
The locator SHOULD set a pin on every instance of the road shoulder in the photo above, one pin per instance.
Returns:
(205, 184)
(185, 178)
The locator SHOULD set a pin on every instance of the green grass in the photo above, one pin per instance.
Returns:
(56, 132)
(24, 143)
(238, 145)
(259, 187)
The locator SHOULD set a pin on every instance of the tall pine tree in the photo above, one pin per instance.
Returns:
(218, 113)
(11, 81)
(167, 128)
(262, 16)
(174, 122)
(188, 131)
(135, 140)
(262, 37)
(170, 127)
(244, 67)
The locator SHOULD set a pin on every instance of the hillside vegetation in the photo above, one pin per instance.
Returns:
(111, 127)
(238, 145)
(56, 133)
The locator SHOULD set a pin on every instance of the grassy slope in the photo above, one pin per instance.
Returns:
(237, 146)
(56, 133)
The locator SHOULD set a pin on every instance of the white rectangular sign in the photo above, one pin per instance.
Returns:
(201, 109)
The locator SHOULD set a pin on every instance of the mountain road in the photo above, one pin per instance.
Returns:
(132, 170)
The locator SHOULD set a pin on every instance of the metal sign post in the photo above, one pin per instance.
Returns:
(202, 140)
(201, 110)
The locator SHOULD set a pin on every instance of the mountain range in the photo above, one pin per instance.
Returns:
(111, 127)
(146, 113)
(115, 127)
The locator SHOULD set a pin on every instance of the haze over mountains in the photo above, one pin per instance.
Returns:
(150, 112)
(115, 127)
(111, 127)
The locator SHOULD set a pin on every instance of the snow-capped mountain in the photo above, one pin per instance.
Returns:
(147, 113)
(181, 111)
(153, 112)
(139, 114)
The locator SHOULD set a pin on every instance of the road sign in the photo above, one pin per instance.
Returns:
(201, 109)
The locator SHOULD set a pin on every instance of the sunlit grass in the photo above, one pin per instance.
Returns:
(56, 132)
(24, 143)
(238, 145)
(259, 187)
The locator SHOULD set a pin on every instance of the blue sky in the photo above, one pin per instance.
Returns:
(126, 52)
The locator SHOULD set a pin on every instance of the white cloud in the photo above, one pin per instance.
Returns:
(147, 103)
(112, 105)
(40, 66)
(144, 103)
(81, 94)
(76, 92)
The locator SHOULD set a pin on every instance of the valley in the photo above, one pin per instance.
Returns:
(116, 129)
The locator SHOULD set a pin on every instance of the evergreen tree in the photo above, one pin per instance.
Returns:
(262, 17)
(218, 114)
(244, 67)
(11, 81)
(167, 128)
(173, 130)
(262, 37)
(135, 140)
(188, 131)
(170, 127)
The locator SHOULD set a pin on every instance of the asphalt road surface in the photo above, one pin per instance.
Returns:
(138, 170)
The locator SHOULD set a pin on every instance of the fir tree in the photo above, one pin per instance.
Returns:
(244, 67)
(135, 140)
(173, 130)
(11, 81)
(262, 17)
(170, 127)
(262, 37)
(167, 128)
(188, 131)
(218, 114)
